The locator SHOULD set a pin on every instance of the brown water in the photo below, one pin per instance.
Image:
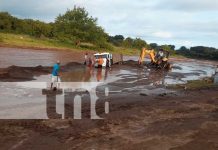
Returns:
(30, 57)
(22, 97)
(181, 72)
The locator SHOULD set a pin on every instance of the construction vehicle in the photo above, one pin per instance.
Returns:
(157, 61)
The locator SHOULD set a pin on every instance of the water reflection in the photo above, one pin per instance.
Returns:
(185, 73)
(87, 74)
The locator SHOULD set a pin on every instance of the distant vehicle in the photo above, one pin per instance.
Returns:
(107, 58)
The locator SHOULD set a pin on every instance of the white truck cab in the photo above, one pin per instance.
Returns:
(106, 57)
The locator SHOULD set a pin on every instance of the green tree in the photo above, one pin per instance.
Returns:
(76, 25)
(168, 48)
(139, 43)
(117, 40)
(128, 42)
(5, 21)
(153, 45)
(172, 47)
(183, 48)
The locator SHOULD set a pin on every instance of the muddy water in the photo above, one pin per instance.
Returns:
(30, 57)
(216, 79)
(181, 72)
(24, 100)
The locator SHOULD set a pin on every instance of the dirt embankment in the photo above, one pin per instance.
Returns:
(18, 73)
(185, 120)
(181, 120)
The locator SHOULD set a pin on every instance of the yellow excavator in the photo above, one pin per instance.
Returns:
(158, 60)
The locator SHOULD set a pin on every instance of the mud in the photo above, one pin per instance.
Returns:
(187, 120)
(43, 57)
(144, 112)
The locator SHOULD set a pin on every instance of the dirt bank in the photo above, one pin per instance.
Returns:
(143, 115)
(17, 73)
(183, 120)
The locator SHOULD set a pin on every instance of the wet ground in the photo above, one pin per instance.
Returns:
(144, 112)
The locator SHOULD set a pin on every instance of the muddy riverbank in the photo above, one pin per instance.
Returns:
(39, 57)
(145, 113)
(181, 120)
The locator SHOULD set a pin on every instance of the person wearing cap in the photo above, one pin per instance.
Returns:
(55, 74)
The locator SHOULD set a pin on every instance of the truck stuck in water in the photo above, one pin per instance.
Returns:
(103, 60)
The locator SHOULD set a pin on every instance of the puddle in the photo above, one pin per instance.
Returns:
(181, 73)
(187, 72)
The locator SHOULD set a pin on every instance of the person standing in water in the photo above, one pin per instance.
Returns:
(55, 76)
(216, 71)
(86, 59)
(100, 62)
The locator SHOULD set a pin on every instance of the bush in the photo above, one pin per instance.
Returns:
(1, 38)
(105, 45)
(88, 46)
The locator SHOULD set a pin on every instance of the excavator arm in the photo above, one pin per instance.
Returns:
(145, 52)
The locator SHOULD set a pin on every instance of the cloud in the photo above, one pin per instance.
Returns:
(160, 21)
(188, 5)
(45, 10)
(162, 34)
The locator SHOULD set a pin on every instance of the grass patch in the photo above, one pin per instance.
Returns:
(127, 51)
(178, 56)
(26, 41)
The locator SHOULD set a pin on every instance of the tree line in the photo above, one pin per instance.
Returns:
(138, 43)
(199, 52)
(76, 26)
(73, 27)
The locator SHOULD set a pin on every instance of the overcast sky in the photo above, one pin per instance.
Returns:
(178, 22)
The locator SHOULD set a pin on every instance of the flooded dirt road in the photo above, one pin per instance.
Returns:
(144, 113)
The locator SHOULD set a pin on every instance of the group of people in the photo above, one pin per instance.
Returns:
(91, 61)
(55, 77)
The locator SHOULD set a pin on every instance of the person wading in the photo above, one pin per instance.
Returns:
(55, 76)
(100, 62)
(86, 59)
(216, 71)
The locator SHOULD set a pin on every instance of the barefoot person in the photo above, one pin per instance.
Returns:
(55, 75)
